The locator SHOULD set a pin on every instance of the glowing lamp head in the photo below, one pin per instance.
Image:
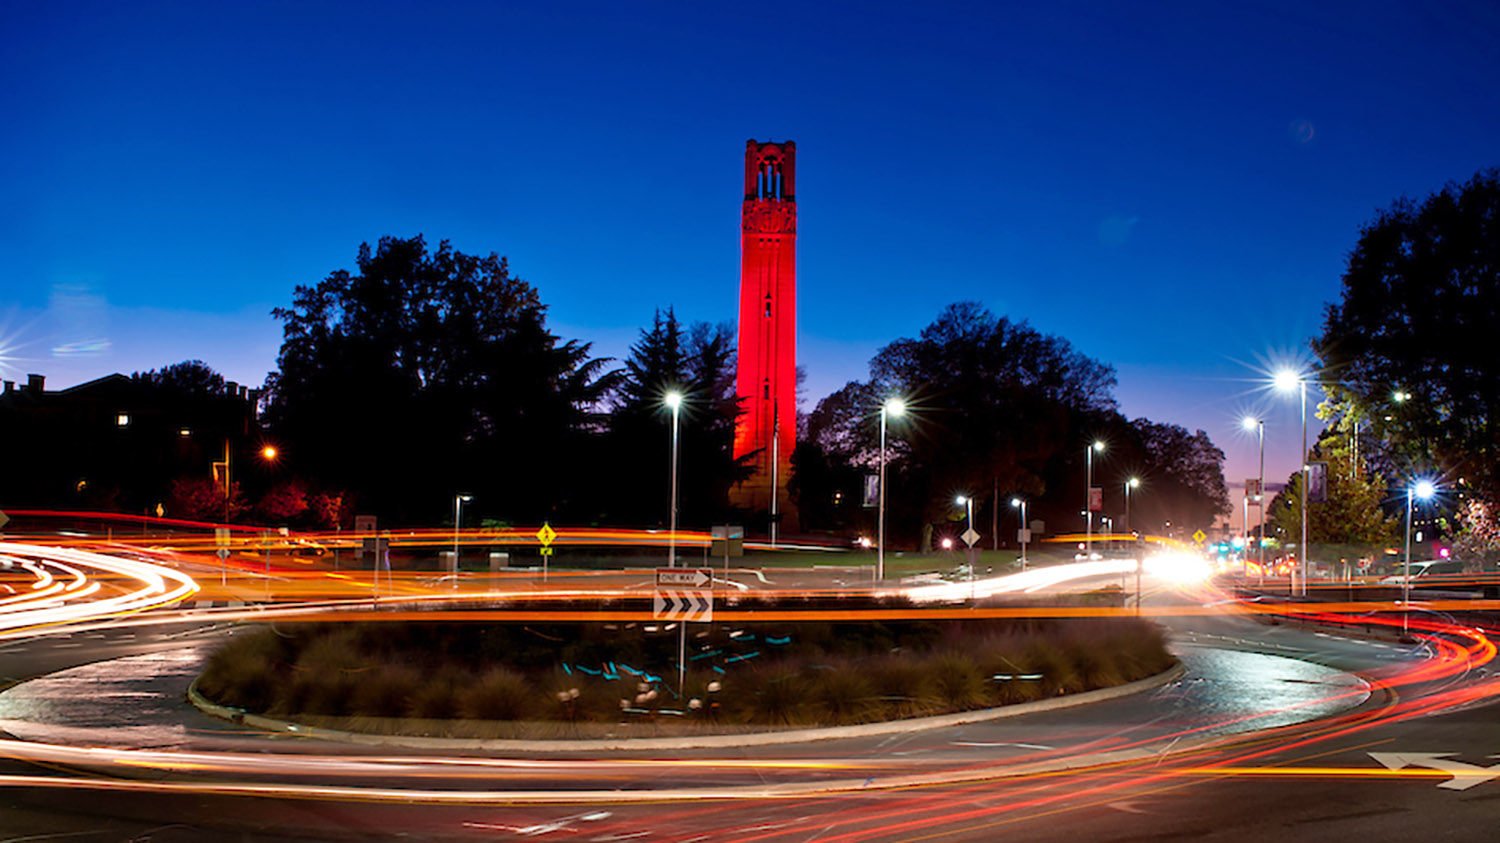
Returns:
(894, 406)
(961, 500)
(674, 399)
(947, 544)
(1134, 483)
(1250, 422)
(1287, 380)
(1015, 502)
(1424, 489)
(1098, 445)
(269, 452)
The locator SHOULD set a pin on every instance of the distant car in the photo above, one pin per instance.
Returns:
(1426, 568)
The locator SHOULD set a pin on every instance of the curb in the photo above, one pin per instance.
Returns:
(888, 727)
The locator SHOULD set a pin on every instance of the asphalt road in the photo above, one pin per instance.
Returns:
(1193, 760)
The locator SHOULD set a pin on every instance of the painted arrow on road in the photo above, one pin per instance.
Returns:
(683, 606)
(1464, 775)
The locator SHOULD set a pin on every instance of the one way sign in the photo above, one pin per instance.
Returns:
(691, 577)
(671, 605)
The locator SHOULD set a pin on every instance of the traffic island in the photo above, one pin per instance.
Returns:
(610, 680)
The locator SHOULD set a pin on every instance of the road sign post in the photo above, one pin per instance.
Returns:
(221, 539)
(546, 535)
(684, 595)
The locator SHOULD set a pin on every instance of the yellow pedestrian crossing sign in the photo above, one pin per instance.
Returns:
(546, 535)
(1199, 536)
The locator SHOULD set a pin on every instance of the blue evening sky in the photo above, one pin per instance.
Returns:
(1171, 186)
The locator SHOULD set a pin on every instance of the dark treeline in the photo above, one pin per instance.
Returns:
(427, 373)
(997, 410)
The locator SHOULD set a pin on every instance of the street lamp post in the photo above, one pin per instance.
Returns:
(1021, 505)
(1260, 497)
(1422, 490)
(968, 504)
(1132, 483)
(674, 400)
(1088, 508)
(891, 407)
(458, 514)
(1285, 380)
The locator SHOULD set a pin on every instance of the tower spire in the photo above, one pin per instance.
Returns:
(766, 380)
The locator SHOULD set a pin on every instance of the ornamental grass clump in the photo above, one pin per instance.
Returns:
(499, 694)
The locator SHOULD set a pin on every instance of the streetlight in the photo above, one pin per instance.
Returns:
(1088, 510)
(1421, 490)
(1024, 533)
(1132, 483)
(891, 407)
(1259, 425)
(458, 510)
(1285, 380)
(674, 400)
(968, 504)
(269, 453)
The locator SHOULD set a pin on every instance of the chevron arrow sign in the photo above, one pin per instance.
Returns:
(672, 605)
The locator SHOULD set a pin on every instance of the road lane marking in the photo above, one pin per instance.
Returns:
(1464, 775)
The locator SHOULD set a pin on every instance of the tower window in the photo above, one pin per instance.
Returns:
(768, 305)
(766, 390)
(768, 180)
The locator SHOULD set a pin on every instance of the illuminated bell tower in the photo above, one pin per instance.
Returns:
(766, 381)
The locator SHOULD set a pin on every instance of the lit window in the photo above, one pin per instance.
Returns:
(185, 432)
(122, 419)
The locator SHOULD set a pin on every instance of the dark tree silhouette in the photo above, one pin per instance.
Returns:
(1409, 350)
(190, 378)
(698, 361)
(426, 374)
(994, 406)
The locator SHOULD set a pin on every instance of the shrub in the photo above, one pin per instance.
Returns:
(771, 696)
(499, 694)
(384, 691)
(903, 685)
(435, 698)
(957, 683)
(844, 695)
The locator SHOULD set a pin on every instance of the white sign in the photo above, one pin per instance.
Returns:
(683, 606)
(1464, 775)
(696, 577)
(970, 537)
(1023, 535)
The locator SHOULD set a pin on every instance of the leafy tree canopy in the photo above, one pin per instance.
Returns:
(1353, 514)
(996, 406)
(1410, 347)
(187, 379)
(697, 361)
(428, 373)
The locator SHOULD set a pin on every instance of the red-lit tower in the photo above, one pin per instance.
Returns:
(767, 378)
